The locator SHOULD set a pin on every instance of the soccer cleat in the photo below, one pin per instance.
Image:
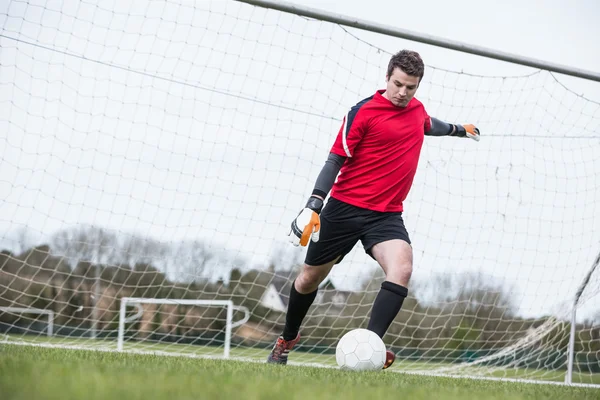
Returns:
(281, 350)
(390, 357)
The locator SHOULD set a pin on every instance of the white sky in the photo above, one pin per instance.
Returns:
(562, 32)
(176, 151)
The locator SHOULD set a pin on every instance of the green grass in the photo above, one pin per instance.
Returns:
(257, 354)
(246, 353)
(31, 373)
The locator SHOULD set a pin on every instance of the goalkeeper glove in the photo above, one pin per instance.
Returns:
(307, 224)
(468, 130)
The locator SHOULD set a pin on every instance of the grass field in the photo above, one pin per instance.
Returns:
(299, 357)
(47, 373)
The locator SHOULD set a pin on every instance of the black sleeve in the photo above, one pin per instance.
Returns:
(439, 128)
(328, 174)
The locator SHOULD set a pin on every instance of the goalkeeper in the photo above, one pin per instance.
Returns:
(376, 153)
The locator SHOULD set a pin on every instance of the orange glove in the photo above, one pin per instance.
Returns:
(468, 130)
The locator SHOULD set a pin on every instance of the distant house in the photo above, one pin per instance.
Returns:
(272, 299)
(276, 294)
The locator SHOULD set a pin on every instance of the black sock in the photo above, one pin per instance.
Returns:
(297, 309)
(386, 307)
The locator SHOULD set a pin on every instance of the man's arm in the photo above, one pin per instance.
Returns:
(327, 176)
(307, 224)
(441, 128)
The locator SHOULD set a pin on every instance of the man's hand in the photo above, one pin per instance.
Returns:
(471, 132)
(307, 224)
(468, 130)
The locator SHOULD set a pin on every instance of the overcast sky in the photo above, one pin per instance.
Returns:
(562, 32)
(211, 120)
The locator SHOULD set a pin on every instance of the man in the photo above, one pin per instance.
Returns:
(376, 154)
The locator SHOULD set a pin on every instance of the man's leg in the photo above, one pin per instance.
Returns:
(341, 226)
(302, 294)
(395, 257)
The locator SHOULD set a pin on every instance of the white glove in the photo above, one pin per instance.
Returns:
(307, 224)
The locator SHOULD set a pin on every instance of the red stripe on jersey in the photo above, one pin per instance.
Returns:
(383, 143)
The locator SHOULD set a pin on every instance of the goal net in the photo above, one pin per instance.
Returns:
(161, 149)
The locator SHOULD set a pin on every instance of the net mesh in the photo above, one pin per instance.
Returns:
(161, 149)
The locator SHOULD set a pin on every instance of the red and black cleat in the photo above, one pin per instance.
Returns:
(390, 357)
(281, 350)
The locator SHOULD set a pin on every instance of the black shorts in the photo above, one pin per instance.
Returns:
(342, 225)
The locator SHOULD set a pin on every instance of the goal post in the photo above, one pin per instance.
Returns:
(39, 311)
(572, 335)
(228, 304)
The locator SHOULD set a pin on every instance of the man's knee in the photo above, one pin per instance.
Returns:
(405, 270)
(311, 277)
(399, 274)
(395, 257)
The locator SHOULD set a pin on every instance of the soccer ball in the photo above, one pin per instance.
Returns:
(360, 350)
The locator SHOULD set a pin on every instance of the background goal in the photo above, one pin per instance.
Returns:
(161, 149)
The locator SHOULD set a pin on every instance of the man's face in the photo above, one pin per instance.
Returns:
(401, 87)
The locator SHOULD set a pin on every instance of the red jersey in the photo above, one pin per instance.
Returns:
(383, 143)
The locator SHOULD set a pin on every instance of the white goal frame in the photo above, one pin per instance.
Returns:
(41, 311)
(230, 324)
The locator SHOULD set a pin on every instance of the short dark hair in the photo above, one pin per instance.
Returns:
(409, 62)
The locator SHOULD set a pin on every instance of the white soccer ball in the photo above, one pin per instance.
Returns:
(360, 350)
